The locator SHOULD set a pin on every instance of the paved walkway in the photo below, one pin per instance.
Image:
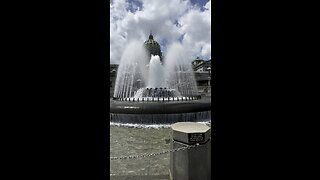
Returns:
(140, 177)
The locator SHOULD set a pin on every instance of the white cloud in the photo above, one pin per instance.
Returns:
(161, 17)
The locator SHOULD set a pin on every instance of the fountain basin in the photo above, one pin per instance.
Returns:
(171, 107)
(152, 90)
(162, 112)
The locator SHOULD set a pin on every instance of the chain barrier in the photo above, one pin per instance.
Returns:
(154, 154)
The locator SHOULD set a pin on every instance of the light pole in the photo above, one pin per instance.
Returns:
(209, 78)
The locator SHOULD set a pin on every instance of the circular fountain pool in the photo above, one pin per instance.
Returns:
(157, 90)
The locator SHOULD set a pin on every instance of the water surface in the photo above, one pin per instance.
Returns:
(126, 141)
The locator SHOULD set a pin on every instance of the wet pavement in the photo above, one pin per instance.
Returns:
(141, 177)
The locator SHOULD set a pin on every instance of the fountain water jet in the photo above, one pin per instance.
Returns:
(156, 71)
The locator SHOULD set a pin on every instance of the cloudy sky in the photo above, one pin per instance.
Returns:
(185, 21)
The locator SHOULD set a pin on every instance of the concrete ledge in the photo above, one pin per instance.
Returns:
(161, 118)
(125, 107)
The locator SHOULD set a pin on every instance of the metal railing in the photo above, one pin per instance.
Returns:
(158, 99)
(155, 154)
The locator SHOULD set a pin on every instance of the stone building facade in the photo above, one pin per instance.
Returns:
(202, 72)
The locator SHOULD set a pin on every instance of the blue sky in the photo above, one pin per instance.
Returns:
(185, 21)
(134, 4)
(200, 3)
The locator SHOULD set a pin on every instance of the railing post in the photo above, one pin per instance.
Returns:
(193, 163)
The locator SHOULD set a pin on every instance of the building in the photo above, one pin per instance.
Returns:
(153, 47)
(200, 65)
(202, 72)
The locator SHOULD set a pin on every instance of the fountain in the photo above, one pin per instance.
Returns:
(152, 89)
